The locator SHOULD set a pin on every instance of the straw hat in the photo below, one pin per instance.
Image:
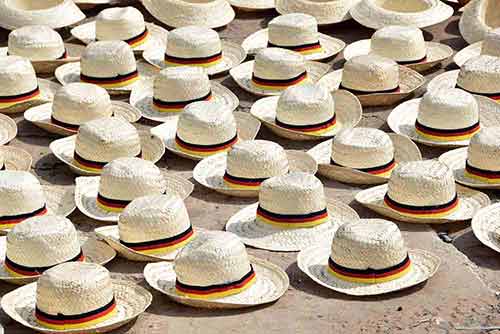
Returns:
(490, 46)
(102, 140)
(23, 197)
(297, 32)
(423, 192)
(367, 257)
(196, 46)
(173, 88)
(375, 80)
(405, 45)
(252, 5)
(123, 180)
(20, 87)
(14, 158)
(63, 297)
(55, 14)
(241, 170)
(8, 129)
(363, 155)
(206, 128)
(180, 13)
(486, 226)
(214, 271)
(325, 11)
(418, 13)
(122, 24)
(447, 117)
(292, 214)
(274, 70)
(75, 104)
(40, 243)
(308, 112)
(479, 17)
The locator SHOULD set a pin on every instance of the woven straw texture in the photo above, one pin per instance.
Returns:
(8, 129)
(479, 17)
(325, 12)
(489, 46)
(14, 158)
(486, 226)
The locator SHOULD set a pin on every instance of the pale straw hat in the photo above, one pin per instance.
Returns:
(479, 17)
(490, 46)
(24, 197)
(102, 140)
(252, 5)
(196, 46)
(308, 112)
(75, 104)
(180, 13)
(418, 13)
(122, 180)
(55, 14)
(122, 24)
(40, 243)
(215, 271)
(405, 45)
(447, 117)
(325, 11)
(14, 158)
(375, 80)
(423, 192)
(363, 155)
(8, 129)
(367, 257)
(64, 295)
(274, 70)
(297, 32)
(292, 214)
(206, 128)
(241, 170)
(20, 87)
(486, 226)
(173, 88)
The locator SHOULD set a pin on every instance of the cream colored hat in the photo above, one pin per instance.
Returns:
(252, 5)
(274, 70)
(122, 180)
(479, 17)
(367, 257)
(40, 243)
(8, 129)
(423, 192)
(65, 295)
(297, 32)
(241, 170)
(196, 46)
(375, 80)
(418, 13)
(363, 155)
(206, 128)
(24, 197)
(486, 226)
(102, 140)
(292, 214)
(325, 11)
(76, 104)
(14, 158)
(447, 117)
(214, 271)
(173, 88)
(308, 112)
(490, 46)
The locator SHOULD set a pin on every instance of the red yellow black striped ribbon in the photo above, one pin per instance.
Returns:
(109, 204)
(205, 150)
(362, 92)
(70, 127)
(428, 211)
(177, 106)
(483, 175)
(19, 270)
(242, 182)
(312, 129)
(161, 246)
(138, 40)
(114, 82)
(90, 165)
(311, 219)
(195, 61)
(278, 84)
(446, 134)
(383, 170)
(8, 101)
(493, 96)
(308, 48)
(7, 222)
(413, 62)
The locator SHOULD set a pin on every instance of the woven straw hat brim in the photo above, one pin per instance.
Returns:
(87, 188)
(209, 172)
(232, 55)
(141, 97)
(402, 120)
(252, 5)
(265, 236)
(8, 129)
(313, 262)
(41, 116)
(469, 202)
(47, 91)
(409, 82)
(369, 14)
(131, 300)
(443, 80)
(330, 12)
(348, 112)
(15, 158)
(486, 226)
(247, 128)
(404, 150)
(271, 283)
(472, 25)
(330, 45)
(467, 53)
(153, 149)
(242, 75)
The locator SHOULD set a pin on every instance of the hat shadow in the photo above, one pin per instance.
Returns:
(452, 28)
(51, 170)
(481, 255)
(211, 196)
(32, 134)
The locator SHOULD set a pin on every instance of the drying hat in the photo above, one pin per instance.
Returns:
(486, 226)
(490, 46)
(14, 158)
(479, 17)
(8, 129)
(325, 11)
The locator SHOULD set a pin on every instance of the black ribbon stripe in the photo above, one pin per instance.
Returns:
(72, 127)
(19, 96)
(206, 147)
(39, 270)
(167, 104)
(118, 78)
(362, 92)
(201, 60)
(94, 164)
(482, 94)
(23, 215)
(409, 62)
(304, 47)
(369, 271)
(422, 207)
(367, 170)
(304, 127)
(159, 241)
(446, 131)
(278, 81)
(188, 287)
(479, 171)
(62, 317)
(135, 38)
(243, 179)
(270, 214)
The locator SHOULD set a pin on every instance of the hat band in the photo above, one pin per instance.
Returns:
(313, 129)
(425, 211)
(243, 183)
(76, 321)
(109, 204)
(446, 134)
(196, 61)
(161, 246)
(118, 81)
(292, 220)
(411, 62)
(305, 49)
(63, 56)
(370, 276)
(383, 170)
(493, 96)
(177, 106)
(363, 92)
(204, 150)
(9, 101)
(67, 126)
(483, 175)
(216, 290)
(12, 220)
(90, 165)
(278, 84)
(138, 40)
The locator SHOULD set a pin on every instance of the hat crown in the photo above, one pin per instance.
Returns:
(193, 41)
(17, 76)
(21, 192)
(120, 23)
(370, 73)
(491, 43)
(293, 29)
(278, 64)
(36, 42)
(181, 83)
(484, 149)
(480, 74)
(107, 59)
(400, 43)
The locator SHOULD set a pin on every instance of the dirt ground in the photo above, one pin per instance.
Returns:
(462, 294)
